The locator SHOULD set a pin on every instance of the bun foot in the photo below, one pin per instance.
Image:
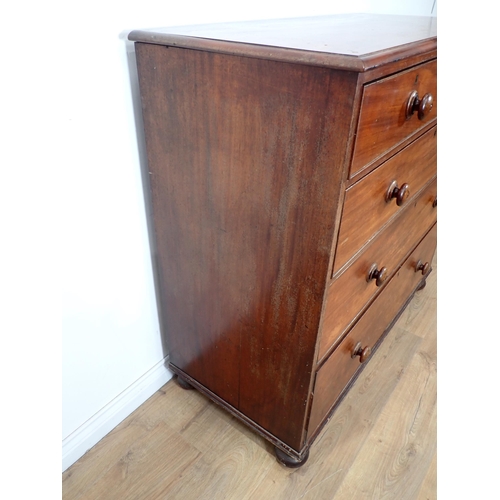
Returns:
(185, 385)
(287, 460)
(422, 285)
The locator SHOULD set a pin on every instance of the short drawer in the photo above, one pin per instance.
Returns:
(350, 292)
(383, 121)
(333, 377)
(366, 208)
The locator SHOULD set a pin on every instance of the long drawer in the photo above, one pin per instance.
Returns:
(350, 292)
(370, 196)
(340, 367)
(383, 121)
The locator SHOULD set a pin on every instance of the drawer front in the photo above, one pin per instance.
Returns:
(383, 121)
(340, 367)
(415, 166)
(351, 291)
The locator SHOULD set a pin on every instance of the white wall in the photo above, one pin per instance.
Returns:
(112, 348)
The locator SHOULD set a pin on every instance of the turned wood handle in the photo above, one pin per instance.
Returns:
(400, 193)
(363, 353)
(425, 106)
(435, 202)
(421, 106)
(421, 266)
(379, 275)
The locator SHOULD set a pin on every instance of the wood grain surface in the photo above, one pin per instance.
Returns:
(367, 196)
(382, 122)
(340, 367)
(337, 41)
(350, 292)
(379, 443)
(238, 152)
(429, 484)
(400, 441)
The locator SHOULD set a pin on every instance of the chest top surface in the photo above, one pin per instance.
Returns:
(349, 37)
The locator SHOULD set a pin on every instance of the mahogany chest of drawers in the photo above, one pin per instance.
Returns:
(293, 183)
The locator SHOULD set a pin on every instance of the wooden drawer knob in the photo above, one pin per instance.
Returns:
(363, 354)
(400, 193)
(379, 275)
(422, 106)
(435, 202)
(424, 267)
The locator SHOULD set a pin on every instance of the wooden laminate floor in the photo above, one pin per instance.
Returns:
(379, 444)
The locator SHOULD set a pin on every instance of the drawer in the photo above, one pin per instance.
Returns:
(383, 121)
(335, 374)
(351, 291)
(365, 207)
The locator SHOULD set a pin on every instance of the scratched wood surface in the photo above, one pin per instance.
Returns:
(380, 443)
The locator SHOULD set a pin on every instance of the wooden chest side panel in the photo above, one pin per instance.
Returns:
(241, 151)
